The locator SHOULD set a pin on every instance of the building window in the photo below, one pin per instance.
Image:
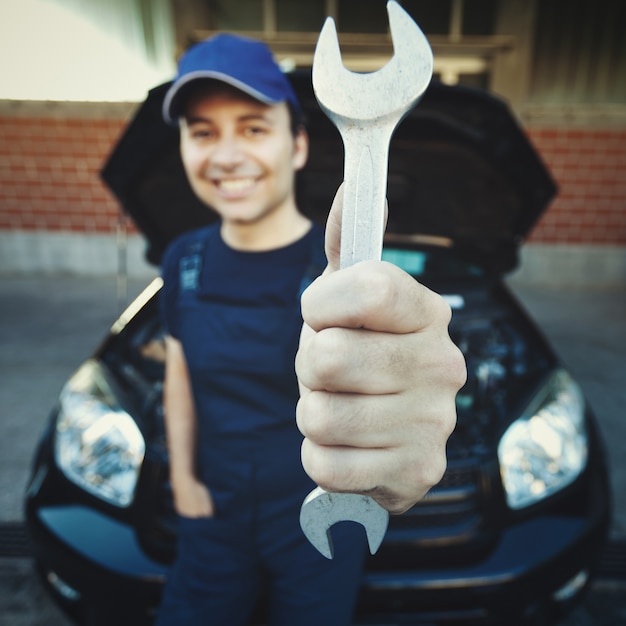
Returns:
(243, 15)
(454, 18)
(580, 53)
(460, 31)
(452, 25)
(434, 18)
(305, 16)
(361, 16)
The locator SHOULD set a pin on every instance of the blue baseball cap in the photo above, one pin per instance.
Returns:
(244, 63)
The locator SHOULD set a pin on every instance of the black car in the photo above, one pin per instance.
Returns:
(511, 535)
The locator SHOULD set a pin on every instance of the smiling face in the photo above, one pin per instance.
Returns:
(241, 156)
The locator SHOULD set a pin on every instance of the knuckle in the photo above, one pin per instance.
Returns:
(317, 467)
(381, 286)
(445, 425)
(301, 415)
(441, 310)
(398, 505)
(307, 301)
(460, 369)
(429, 473)
(445, 311)
(313, 417)
(450, 424)
(394, 501)
(449, 363)
(456, 367)
(375, 288)
(326, 355)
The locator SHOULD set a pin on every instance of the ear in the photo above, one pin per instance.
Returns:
(300, 149)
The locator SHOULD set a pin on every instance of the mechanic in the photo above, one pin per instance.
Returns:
(372, 387)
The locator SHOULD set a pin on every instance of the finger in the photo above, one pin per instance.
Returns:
(361, 421)
(331, 419)
(361, 361)
(374, 295)
(357, 361)
(333, 229)
(395, 478)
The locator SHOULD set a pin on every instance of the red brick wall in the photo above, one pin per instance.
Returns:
(590, 169)
(49, 179)
(49, 174)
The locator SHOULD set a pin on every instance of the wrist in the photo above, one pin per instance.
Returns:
(182, 477)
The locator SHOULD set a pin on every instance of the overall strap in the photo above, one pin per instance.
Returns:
(317, 263)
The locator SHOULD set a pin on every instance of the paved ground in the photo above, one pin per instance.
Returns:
(49, 324)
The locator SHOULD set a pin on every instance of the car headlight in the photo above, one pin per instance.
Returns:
(98, 445)
(546, 449)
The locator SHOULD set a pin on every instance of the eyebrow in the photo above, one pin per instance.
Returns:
(249, 117)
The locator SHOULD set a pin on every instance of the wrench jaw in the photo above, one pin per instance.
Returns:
(322, 509)
(388, 93)
(409, 42)
(326, 63)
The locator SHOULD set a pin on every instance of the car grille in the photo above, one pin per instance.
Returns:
(456, 495)
(450, 512)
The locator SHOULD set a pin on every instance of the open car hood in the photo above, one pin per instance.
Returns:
(461, 170)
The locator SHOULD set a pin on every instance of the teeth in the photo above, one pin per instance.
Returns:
(236, 184)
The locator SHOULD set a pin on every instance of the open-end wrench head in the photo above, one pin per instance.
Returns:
(321, 509)
(393, 89)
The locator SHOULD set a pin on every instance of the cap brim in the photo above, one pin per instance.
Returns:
(173, 101)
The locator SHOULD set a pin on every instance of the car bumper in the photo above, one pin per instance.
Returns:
(93, 564)
(560, 556)
(113, 573)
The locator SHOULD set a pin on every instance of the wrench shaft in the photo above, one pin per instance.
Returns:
(365, 185)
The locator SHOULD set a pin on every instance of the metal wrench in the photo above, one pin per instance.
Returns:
(366, 109)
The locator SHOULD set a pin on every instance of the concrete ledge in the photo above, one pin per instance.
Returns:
(571, 265)
(67, 110)
(587, 116)
(73, 253)
(107, 254)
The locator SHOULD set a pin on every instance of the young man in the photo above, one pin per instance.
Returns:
(374, 379)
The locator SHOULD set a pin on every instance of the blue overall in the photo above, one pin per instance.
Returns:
(237, 315)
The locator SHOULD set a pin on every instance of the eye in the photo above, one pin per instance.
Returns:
(255, 130)
(202, 133)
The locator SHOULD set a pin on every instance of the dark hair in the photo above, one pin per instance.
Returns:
(296, 119)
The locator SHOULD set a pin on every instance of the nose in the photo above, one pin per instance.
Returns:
(227, 153)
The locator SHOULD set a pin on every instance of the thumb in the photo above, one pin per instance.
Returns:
(333, 231)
